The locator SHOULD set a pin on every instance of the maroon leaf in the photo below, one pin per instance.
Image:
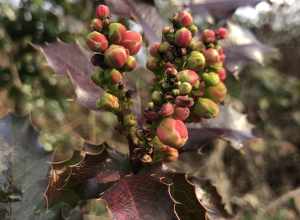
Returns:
(143, 13)
(140, 197)
(230, 125)
(72, 60)
(220, 9)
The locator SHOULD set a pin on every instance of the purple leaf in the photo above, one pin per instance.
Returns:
(143, 13)
(229, 125)
(72, 60)
(139, 197)
(220, 9)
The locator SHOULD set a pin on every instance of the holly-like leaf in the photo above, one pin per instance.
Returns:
(230, 125)
(220, 9)
(140, 197)
(23, 166)
(143, 12)
(72, 60)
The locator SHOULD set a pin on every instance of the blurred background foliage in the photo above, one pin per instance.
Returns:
(261, 181)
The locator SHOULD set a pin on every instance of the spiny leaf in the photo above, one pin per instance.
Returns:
(143, 13)
(72, 60)
(139, 197)
(230, 125)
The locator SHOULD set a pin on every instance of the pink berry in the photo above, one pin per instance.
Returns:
(208, 36)
(97, 42)
(102, 11)
(116, 56)
(222, 74)
(183, 37)
(132, 41)
(181, 113)
(222, 33)
(167, 109)
(184, 18)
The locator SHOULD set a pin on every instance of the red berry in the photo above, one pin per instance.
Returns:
(184, 101)
(116, 76)
(167, 109)
(116, 56)
(116, 32)
(97, 42)
(189, 76)
(183, 37)
(154, 49)
(208, 36)
(222, 33)
(184, 18)
(102, 11)
(151, 115)
(222, 74)
(132, 41)
(181, 113)
(212, 56)
(96, 24)
(172, 132)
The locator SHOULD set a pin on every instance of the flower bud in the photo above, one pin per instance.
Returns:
(212, 56)
(211, 79)
(196, 61)
(130, 120)
(102, 11)
(188, 76)
(116, 56)
(171, 71)
(130, 64)
(152, 63)
(116, 32)
(216, 93)
(172, 132)
(184, 18)
(166, 110)
(183, 37)
(96, 24)
(97, 42)
(222, 74)
(156, 96)
(197, 45)
(181, 113)
(170, 154)
(132, 41)
(108, 102)
(150, 105)
(206, 108)
(208, 36)
(185, 88)
(222, 33)
(184, 101)
(116, 76)
(154, 49)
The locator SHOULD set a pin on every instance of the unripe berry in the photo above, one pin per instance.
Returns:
(170, 154)
(222, 74)
(216, 93)
(196, 61)
(97, 42)
(184, 101)
(208, 36)
(164, 47)
(172, 132)
(96, 24)
(188, 76)
(129, 120)
(130, 63)
(97, 77)
(132, 41)
(194, 29)
(166, 110)
(116, 32)
(183, 37)
(102, 11)
(211, 79)
(184, 18)
(197, 45)
(152, 63)
(150, 105)
(222, 33)
(181, 113)
(156, 96)
(108, 102)
(206, 108)
(185, 88)
(175, 92)
(116, 56)
(116, 76)
(154, 49)
(212, 56)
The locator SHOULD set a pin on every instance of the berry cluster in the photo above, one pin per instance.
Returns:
(114, 47)
(188, 83)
